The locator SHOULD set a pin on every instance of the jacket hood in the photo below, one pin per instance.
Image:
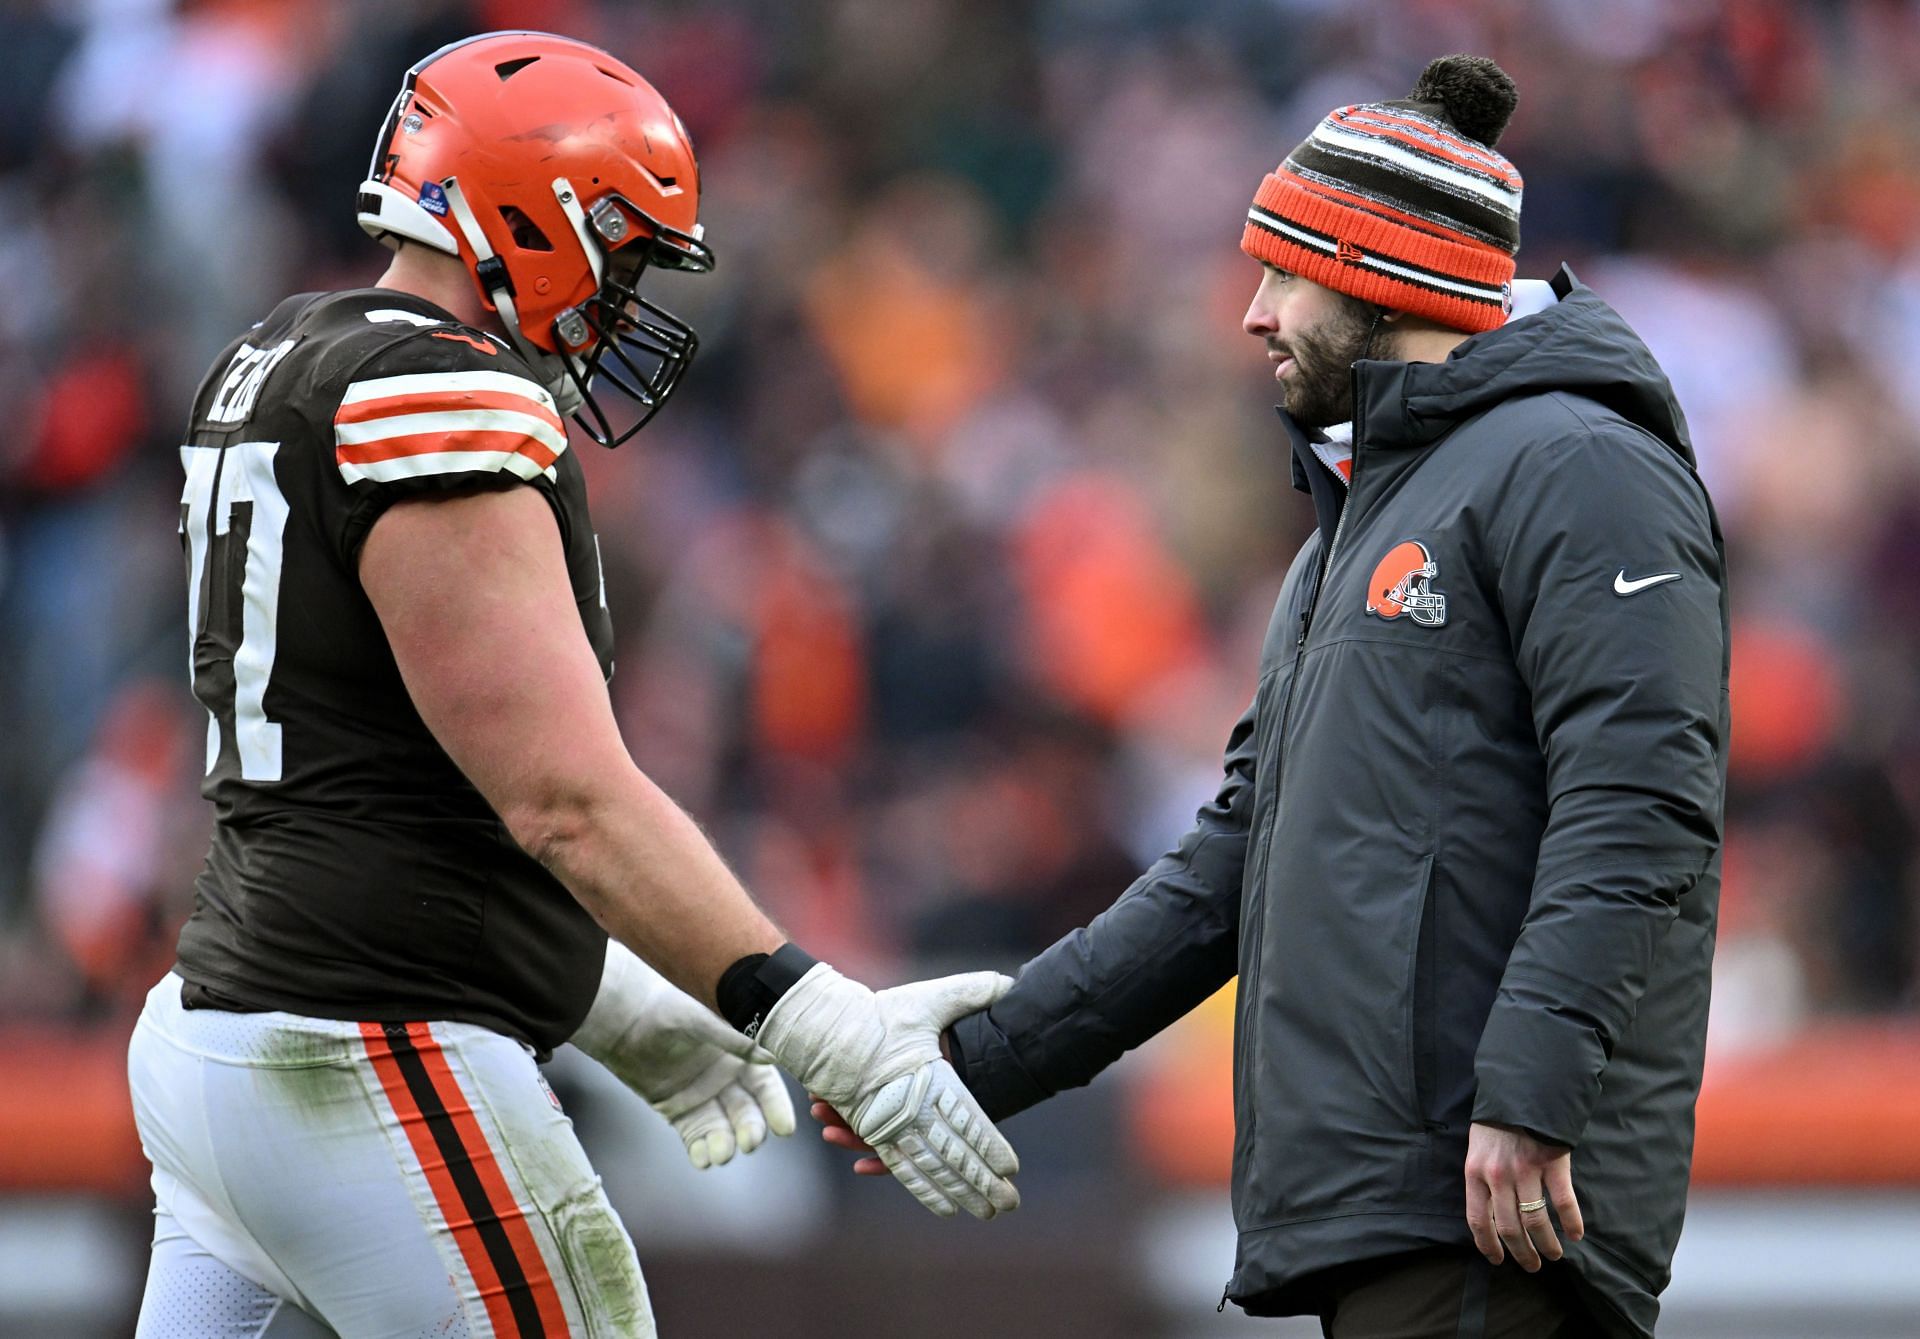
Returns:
(1578, 344)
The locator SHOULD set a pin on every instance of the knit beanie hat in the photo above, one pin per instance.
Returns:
(1404, 203)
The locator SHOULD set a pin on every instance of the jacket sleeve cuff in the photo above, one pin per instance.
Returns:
(986, 1063)
(1538, 1070)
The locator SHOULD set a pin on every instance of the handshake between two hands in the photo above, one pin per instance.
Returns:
(871, 1060)
(881, 1086)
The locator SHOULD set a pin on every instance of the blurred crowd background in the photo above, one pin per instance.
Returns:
(941, 580)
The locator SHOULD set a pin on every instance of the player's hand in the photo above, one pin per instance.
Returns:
(1508, 1168)
(876, 1058)
(718, 1089)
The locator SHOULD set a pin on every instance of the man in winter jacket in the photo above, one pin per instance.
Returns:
(1465, 856)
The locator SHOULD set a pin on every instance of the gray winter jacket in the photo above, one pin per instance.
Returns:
(1465, 858)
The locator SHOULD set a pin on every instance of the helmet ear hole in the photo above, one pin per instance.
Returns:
(526, 233)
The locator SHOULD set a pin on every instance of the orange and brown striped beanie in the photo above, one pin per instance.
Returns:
(1404, 203)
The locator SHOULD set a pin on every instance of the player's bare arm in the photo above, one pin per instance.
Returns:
(473, 594)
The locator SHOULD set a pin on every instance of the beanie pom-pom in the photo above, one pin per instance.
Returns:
(1477, 96)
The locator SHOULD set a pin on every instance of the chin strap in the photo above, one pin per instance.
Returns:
(498, 286)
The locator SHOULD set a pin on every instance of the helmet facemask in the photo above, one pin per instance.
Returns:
(651, 347)
(638, 348)
(1421, 603)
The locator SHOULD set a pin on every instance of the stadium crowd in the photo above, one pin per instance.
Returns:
(942, 579)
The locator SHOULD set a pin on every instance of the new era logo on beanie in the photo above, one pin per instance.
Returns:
(1404, 203)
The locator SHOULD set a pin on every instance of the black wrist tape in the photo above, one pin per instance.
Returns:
(755, 983)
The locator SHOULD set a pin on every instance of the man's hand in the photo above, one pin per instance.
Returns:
(716, 1087)
(1511, 1177)
(876, 1058)
(835, 1130)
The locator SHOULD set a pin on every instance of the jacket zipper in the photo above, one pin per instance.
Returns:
(1300, 646)
(1249, 979)
(1286, 705)
(1326, 564)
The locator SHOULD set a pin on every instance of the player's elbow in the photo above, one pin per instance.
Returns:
(553, 824)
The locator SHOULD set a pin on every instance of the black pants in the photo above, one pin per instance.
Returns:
(1449, 1293)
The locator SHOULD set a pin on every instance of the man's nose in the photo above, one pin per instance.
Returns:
(1259, 321)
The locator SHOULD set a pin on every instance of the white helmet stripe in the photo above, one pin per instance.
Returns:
(463, 215)
(570, 205)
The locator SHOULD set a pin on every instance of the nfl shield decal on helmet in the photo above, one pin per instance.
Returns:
(1402, 586)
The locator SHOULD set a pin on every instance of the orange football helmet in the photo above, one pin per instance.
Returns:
(1401, 585)
(558, 175)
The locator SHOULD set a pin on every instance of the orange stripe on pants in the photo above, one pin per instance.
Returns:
(501, 1205)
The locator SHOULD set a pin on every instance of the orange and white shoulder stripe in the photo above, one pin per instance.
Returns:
(427, 423)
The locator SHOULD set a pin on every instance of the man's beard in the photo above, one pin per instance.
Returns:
(1318, 393)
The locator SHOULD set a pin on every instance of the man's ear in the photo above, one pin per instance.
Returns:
(1389, 315)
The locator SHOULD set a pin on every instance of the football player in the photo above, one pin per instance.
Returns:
(427, 824)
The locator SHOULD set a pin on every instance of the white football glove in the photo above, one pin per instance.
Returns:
(718, 1089)
(876, 1059)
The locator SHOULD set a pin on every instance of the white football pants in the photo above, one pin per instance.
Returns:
(315, 1178)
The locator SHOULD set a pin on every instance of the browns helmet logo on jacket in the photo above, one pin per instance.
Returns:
(1401, 584)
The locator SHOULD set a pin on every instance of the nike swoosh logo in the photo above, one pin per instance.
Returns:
(1622, 586)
